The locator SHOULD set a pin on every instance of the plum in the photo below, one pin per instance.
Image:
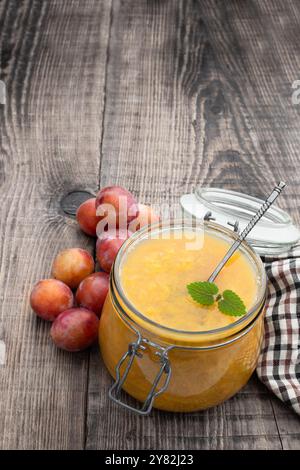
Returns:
(116, 206)
(122, 234)
(72, 266)
(108, 246)
(146, 215)
(92, 292)
(87, 218)
(50, 297)
(75, 329)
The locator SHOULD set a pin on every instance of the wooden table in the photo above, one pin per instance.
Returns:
(158, 96)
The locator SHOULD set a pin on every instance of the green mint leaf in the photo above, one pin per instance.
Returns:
(203, 292)
(231, 304)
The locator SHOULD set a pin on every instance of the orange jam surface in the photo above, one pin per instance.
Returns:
(154, 276)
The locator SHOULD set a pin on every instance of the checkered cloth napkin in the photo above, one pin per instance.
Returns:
(279, 362)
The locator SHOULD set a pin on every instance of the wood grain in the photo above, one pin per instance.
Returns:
(53, 57)
(158, 96)
(181, 95)
(255, 47)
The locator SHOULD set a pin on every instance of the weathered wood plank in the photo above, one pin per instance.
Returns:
(192, 96)
(256, 48)
(291, 442)
(180, 442)
(53, 57)
(196, 92)
(288, 423)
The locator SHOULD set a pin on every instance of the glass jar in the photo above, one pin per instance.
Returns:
(274, 234)
(176, 370)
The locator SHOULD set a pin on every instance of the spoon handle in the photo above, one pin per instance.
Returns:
(261, 211)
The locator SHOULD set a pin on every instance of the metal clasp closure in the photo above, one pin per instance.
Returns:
(235, 225)
(136, 349)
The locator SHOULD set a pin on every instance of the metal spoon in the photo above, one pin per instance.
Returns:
(261, 211)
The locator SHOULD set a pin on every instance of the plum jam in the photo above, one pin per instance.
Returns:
(163, 348)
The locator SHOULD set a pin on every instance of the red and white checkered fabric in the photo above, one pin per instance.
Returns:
(279, 362)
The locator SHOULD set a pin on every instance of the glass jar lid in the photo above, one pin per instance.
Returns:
(274, 234)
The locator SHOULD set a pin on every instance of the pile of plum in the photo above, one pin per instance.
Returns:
(74, 297)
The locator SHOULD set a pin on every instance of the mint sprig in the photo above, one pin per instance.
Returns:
(207, 293)
(203, 292)
(231, 304)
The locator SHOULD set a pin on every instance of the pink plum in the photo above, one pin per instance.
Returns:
(117, 206)
(50, 297)
(86, 217)
(146, 216)
(72, 266)
(75, 329)
(92, 292)
(108, 246)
